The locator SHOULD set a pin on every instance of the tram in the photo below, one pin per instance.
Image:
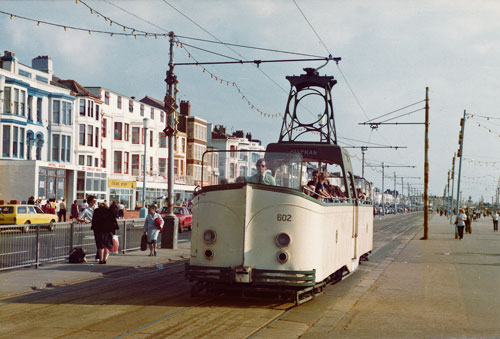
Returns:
(278, 235)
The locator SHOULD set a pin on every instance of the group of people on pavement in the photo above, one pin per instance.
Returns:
(104, 225)
(466, 216)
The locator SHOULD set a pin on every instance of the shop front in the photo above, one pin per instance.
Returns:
(122, 191)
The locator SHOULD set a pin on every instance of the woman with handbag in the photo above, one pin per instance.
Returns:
(104, 225)
(152, 227)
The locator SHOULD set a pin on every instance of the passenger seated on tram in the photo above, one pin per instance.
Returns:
(309, 190)
(335, 193)
(361, 195)
(262, 176)
(223, 181)
(320, 190)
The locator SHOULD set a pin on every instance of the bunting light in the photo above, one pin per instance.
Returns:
(220, 80)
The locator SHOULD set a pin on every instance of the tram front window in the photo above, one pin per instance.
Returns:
(258, 167)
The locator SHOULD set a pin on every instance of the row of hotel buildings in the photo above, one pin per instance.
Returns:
(60, 139)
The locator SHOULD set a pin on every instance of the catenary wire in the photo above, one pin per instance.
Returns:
(310, 25)
(397, 110)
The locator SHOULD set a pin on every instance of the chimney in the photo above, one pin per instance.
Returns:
(9, 61)
(185, 108)
(42, 63)
(238, 134)
(249, 136)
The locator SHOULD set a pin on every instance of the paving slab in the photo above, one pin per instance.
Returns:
(23, 280)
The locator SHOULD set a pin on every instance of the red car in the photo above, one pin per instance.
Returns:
(182, 213)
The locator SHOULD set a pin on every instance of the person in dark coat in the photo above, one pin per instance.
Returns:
(31, 200)
(104, 225)
(74, 210)
(114, 208)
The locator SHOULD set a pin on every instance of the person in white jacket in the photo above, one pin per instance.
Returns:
(152, 228)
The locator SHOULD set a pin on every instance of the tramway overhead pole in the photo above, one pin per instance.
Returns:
(363, 151)
(374, 125)
(169, 234)
(460, 155)
(452, 178)
(383, 176)
(402, 184)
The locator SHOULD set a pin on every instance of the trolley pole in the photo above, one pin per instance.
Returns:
(169, 235)
(426, 167)
(460, 150)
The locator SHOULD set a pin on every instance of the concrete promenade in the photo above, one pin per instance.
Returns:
(435, 288)
(24, 280)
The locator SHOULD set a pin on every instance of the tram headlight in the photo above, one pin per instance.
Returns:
(209, 236)
(283, 240)
(282, 257)
(209, 254)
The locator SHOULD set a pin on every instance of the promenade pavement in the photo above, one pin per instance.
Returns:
(441, 287)
(19, 281)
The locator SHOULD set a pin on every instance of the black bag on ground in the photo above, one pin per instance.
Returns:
(77, 255)
(144, 242)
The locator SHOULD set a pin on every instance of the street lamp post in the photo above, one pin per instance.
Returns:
(144, 212)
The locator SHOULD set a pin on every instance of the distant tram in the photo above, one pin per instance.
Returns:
(281, 235)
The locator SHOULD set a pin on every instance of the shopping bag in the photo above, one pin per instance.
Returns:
(116, 244)
(144, 242)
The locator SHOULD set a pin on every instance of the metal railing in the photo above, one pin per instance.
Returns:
(22, 246)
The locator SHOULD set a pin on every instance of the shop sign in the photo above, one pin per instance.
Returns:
(122, 184)
(179, 180)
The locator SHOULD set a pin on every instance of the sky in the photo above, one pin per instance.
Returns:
(391, 51)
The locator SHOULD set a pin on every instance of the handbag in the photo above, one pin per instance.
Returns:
(144, 242)
(116, 244)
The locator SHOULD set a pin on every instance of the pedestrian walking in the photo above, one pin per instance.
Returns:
(468, 221)
(74, 210)
(104, 225)
(151, 229)
(121, 210)
(494, 216)
(460, 222)
(62, 211)
(31, 200)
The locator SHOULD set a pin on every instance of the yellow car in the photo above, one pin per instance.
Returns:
(25, 215)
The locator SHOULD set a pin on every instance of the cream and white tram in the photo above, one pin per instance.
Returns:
(275, 235)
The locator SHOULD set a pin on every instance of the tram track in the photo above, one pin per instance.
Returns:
(178, 308)
(91, 300)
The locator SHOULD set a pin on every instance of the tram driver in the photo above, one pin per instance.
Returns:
(262, 176)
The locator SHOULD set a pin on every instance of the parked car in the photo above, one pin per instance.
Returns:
(182, 213)
(25, 215)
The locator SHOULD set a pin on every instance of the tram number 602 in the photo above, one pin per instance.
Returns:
(284, 217)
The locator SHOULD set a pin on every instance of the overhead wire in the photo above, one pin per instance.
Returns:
(397, 110)
(402, 115)
(310, 25)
